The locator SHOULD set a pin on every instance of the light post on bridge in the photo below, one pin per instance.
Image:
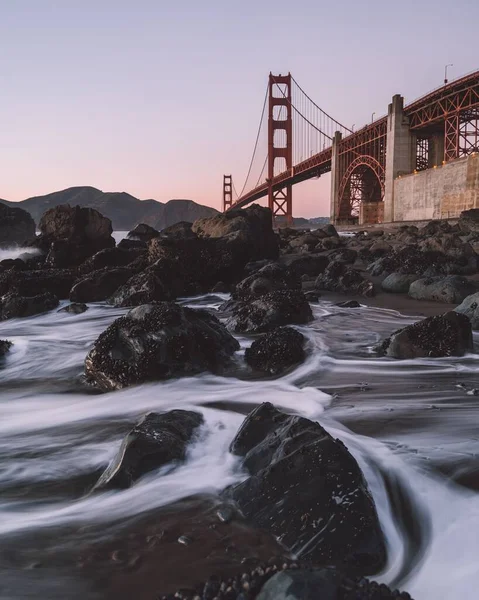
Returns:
(372, 117)
(445, 73)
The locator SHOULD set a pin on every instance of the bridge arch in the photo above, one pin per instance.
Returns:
(362, 184)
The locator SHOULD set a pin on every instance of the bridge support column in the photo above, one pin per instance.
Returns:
(400, 152)
(227, 192)
(335, 177)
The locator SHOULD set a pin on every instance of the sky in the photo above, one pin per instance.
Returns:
(160, 98)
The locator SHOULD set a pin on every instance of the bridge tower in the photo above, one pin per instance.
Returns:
(227, 192)
(280, 144)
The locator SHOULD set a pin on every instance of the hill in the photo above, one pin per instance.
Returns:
(124, 210)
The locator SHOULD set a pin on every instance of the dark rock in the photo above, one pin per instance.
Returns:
(75, 308)
(451, 290)
(179, 230)
(305, 242)
(326, 231)
(143, 233)
(312, 296)
(398, 283)
(454, 248)
(13, 305)
(311, 264)
(126, 244)
(470, 308)
(157, 440)
(349, 304)
(338, 277)
(276, 351)
(31, 283)
(408, 260)
(71, 235)
(304, 481)
(270, 278)
(16, 226)
(449, 334)
(99, 285)
(5, 346)
(158, 341)
(328, 244)
(15, 264)
(469, 220)
(248, 232)
(283, 307)
(221, 288)
(143, 288)
(345, 255)
(435, 227)
(111, 257)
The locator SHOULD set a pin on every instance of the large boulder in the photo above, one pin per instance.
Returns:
(470, 308)
(398, 283)
(99, 285)
(283, 307)
(268, 279)
(144, 288)
(31, 283)
(339, 277)
(409, 260)
(14, 306)
(305, 264)
(178, 231)
(450, 290)
(276, 351)
(449, 334)
(111, 257)
(155, 441)
(72, 234)
(469, 220)
(247, 232)
(16, 226)
(307, 490)
(158, 341)
(143, 233)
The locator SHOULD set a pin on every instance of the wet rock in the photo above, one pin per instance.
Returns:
(338, 277)
(180, 230)
(75, 308)
(126, 244)
(408, 260)
(15, 306)
(158, 341)
(143, 288)
(99, 285)
(284, 307)
(155, 441)
(311, 264)
(326, 231)
(221, 288)
(5, 346)
(398, 283)
(72, 234)
(312, 296)
(303, 482)
(143, 233)
(305, 242)
(349, 304)
(345, 255)
(31, 283)
(270, 278)
(469, 220)
(248, 232)
(111, 257)
(451, 289)
(15, 264)
(470, 308)
(449, 334)
(435, 227)
(16, 226)
(277, 351)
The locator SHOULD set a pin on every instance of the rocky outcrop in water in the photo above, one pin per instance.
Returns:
(15, 306)
(398, 283)
(269, 278)
(111, 257)
(277, 351)
(338, 277)
(450, 290)
(470, 308)
(143, 288)
(16, 226)
(100, 285)
(449, 334)
(5, 346)
(283, 307)
(75, 308)
(158, 341)
(157, 440)
(307, 490)
(143, 233)
(31, 283)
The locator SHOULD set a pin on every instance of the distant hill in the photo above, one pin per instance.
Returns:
(302, 223)
(124, 210)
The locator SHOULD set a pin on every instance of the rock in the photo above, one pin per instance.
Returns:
(326, 231)
(75, 308)
(408, 260)
(277, 351)
(311, 264)
(13, 305)
(454, 248)
(302, 481)
(338, 277)
(435, 227)
(221, 288)
(143, 288)
(111, 257)
(126, 244)
(143, 233)
(31, 283)
(345, 255)
(451, 289)
(380, 248)
(71, 235)
(99, 285)
(157, 440)
(312, 296)
(305, 242)
(180, 230)
(15, 264)
(247, 232)
(158, 341)
(349, 304)
(16, 226)
(5, 346)
(328, 244)
(469, 220)
(469, 307)
(270, 278)
(283, 307)
(398, 283)
(449, 334)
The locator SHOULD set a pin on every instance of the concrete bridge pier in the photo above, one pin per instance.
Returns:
(400, 152)
(335, 177)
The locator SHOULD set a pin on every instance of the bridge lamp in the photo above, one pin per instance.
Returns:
(445, 72)
(372, 117)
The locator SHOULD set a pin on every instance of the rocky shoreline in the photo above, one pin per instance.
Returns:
(272, 279)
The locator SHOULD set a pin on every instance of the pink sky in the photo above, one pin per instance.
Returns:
(160, 101)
